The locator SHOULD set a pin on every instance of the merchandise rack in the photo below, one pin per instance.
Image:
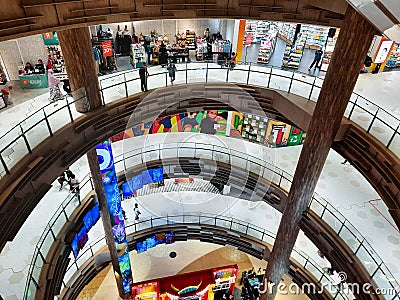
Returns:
(328, 51)
(317, 37)
(137, 55)
(293, 54)
(394, 58)
(267, 47)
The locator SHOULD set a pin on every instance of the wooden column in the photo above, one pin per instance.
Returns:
(105, 217)
(79, 61)
(350, 51)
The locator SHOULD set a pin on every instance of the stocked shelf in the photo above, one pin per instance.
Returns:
(317, 37)
(328, 51)
(137, 55)
(267, 47)
(293, 54)
(394, 58)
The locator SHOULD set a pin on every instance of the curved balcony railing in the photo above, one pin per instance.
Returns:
(344, 229)
(230, 223)
(22, 138)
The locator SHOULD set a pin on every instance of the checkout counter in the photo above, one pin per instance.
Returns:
(34, 81)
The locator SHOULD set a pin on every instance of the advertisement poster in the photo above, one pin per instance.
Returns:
(111, 190)
(277, 134)
(50, 38)
(107, 49)
(383, 51)
(251, 127)
(254, 127)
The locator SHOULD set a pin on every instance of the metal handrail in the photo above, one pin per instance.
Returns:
(314, 86)
(316, 200)
(227, 222)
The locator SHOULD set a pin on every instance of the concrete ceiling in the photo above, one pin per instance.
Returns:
(25, 17)
(384, 14)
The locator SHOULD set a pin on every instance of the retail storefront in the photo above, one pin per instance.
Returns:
(217, 283)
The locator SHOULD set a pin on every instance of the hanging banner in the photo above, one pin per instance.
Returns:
(107, 49)
(110, 184)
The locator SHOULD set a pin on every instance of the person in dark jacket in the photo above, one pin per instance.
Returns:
(317, 58)
(171, 71)
(143, 74)
(163, 59)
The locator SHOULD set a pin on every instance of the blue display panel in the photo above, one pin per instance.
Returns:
(126, 190)
(111, 190)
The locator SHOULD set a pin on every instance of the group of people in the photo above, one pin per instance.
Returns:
(68, 177)
(53, 81)
(250, 289)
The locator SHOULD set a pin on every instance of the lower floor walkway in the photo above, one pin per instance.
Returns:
(352, 199)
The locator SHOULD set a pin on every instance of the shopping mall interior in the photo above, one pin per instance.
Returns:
(178, 150)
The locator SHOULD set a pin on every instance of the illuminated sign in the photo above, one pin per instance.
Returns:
(111, 190)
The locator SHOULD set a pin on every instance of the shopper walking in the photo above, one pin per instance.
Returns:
(55, 92)
(171, 71)
(317, 58)
(143, 74)
(136, 211)
(61, 180)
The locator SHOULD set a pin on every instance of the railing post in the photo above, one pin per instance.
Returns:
(291, 82)
(312, 88)
(373, 120)
(248, 74)
(126, 87)
(394, 134)
(25, 139)
(69, 110)
(207, 73)
(227, 74)
(166, 78)
(151, 221)
(186, 72)
(47, 122)
(352, 109)
(269, 79)
(4, 164)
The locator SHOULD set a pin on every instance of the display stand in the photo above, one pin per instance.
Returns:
(251, 28)
(181, 40)
(293, 57)
(221, 50)
(137, 55)
(201, 49)
(108, 60)
(267, 47)
(191, 40)
(286, 33)
(394, 58)
(328, 51)
(317, 37)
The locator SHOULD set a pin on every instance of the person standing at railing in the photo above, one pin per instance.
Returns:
(171, 71)
(317, 58)
(137, 212)
(143, 74)
(61, 180)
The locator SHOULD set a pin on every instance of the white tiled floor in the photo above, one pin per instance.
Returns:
(351, 199)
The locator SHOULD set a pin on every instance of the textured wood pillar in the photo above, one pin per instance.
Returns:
(350, 51)
(105, 217)
(79, 61)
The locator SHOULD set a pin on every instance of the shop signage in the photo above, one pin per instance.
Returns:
(50, 38)
(249, 39)
(107, 49)
(383, 51)
(111, 190)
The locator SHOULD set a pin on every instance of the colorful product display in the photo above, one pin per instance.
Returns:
(394, 58)
(111, 190)
(221, 122)
(154, 175)
(211, 284)
(267, 47)
(81, 237)
(154, 240)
